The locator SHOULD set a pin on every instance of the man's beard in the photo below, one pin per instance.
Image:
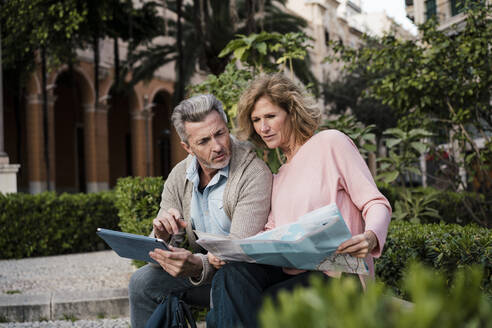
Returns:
(215, 166)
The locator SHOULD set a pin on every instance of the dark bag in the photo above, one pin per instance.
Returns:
(171, 313)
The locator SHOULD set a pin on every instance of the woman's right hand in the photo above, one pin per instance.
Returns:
(215, 261)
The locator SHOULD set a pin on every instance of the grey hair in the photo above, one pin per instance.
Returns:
(195, 109)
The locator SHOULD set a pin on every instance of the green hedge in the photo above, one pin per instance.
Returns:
(137, 200)
(444, 247)
(49, 224)
(450, 204)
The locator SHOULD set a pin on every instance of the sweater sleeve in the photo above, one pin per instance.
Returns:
(253, 204)
(170, 199)
(356, 179)
(377, 220)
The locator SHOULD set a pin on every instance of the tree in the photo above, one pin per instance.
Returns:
(135, 26)
(264, 52)
(348, 94)
(405, 149)
(444, 78)
(118, 19)
(207, 27)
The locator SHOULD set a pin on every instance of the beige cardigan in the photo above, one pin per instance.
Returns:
(246, 198)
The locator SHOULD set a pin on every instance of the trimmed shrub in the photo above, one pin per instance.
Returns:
(49, 224)
(445, 247)
(341, 303)
(138, 200)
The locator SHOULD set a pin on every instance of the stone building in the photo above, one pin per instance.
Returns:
(448, 12)
(340, 20)
(327, 20)
(89, 145)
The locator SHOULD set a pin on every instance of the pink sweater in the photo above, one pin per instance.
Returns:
(329, 168)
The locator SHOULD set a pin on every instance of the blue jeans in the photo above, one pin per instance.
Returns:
(238, 290)
(150, 284)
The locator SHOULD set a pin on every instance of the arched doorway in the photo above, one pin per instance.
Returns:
(162, 131)
(119, 136)
(70, 169)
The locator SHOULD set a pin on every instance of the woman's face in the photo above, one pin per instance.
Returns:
(271, 123)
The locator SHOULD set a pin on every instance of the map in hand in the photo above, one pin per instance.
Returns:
(308, 243)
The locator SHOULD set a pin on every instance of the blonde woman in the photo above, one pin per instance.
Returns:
(320, 169)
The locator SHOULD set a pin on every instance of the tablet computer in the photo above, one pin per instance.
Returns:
(131, 246)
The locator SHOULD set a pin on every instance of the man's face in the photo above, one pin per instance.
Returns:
(209, 141)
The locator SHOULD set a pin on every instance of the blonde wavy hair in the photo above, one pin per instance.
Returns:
(302, 110)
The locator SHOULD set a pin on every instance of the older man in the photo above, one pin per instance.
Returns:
(220, 188)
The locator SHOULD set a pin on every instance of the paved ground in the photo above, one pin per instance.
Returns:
(77, 272)
(74, 282)
(77, 288)
(102, 323)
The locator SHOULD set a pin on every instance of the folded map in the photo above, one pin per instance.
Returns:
(308, 243)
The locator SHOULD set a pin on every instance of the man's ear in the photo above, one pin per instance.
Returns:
(187, 147)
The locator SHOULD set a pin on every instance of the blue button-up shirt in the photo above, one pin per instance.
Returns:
(207, 208)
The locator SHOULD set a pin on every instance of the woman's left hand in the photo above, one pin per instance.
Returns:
(359, 245)
(215, 261)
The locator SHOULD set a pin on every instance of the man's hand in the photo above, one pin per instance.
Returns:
(178, 262)
(359, 245)
(168, 224)
(215, 261)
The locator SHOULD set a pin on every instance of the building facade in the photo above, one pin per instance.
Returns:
(448, 12)
(340, 20)
(327, 20)
(91, 143)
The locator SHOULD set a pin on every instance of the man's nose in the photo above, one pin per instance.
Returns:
(216, 146)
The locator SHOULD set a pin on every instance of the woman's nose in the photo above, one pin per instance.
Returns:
(264, 127)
